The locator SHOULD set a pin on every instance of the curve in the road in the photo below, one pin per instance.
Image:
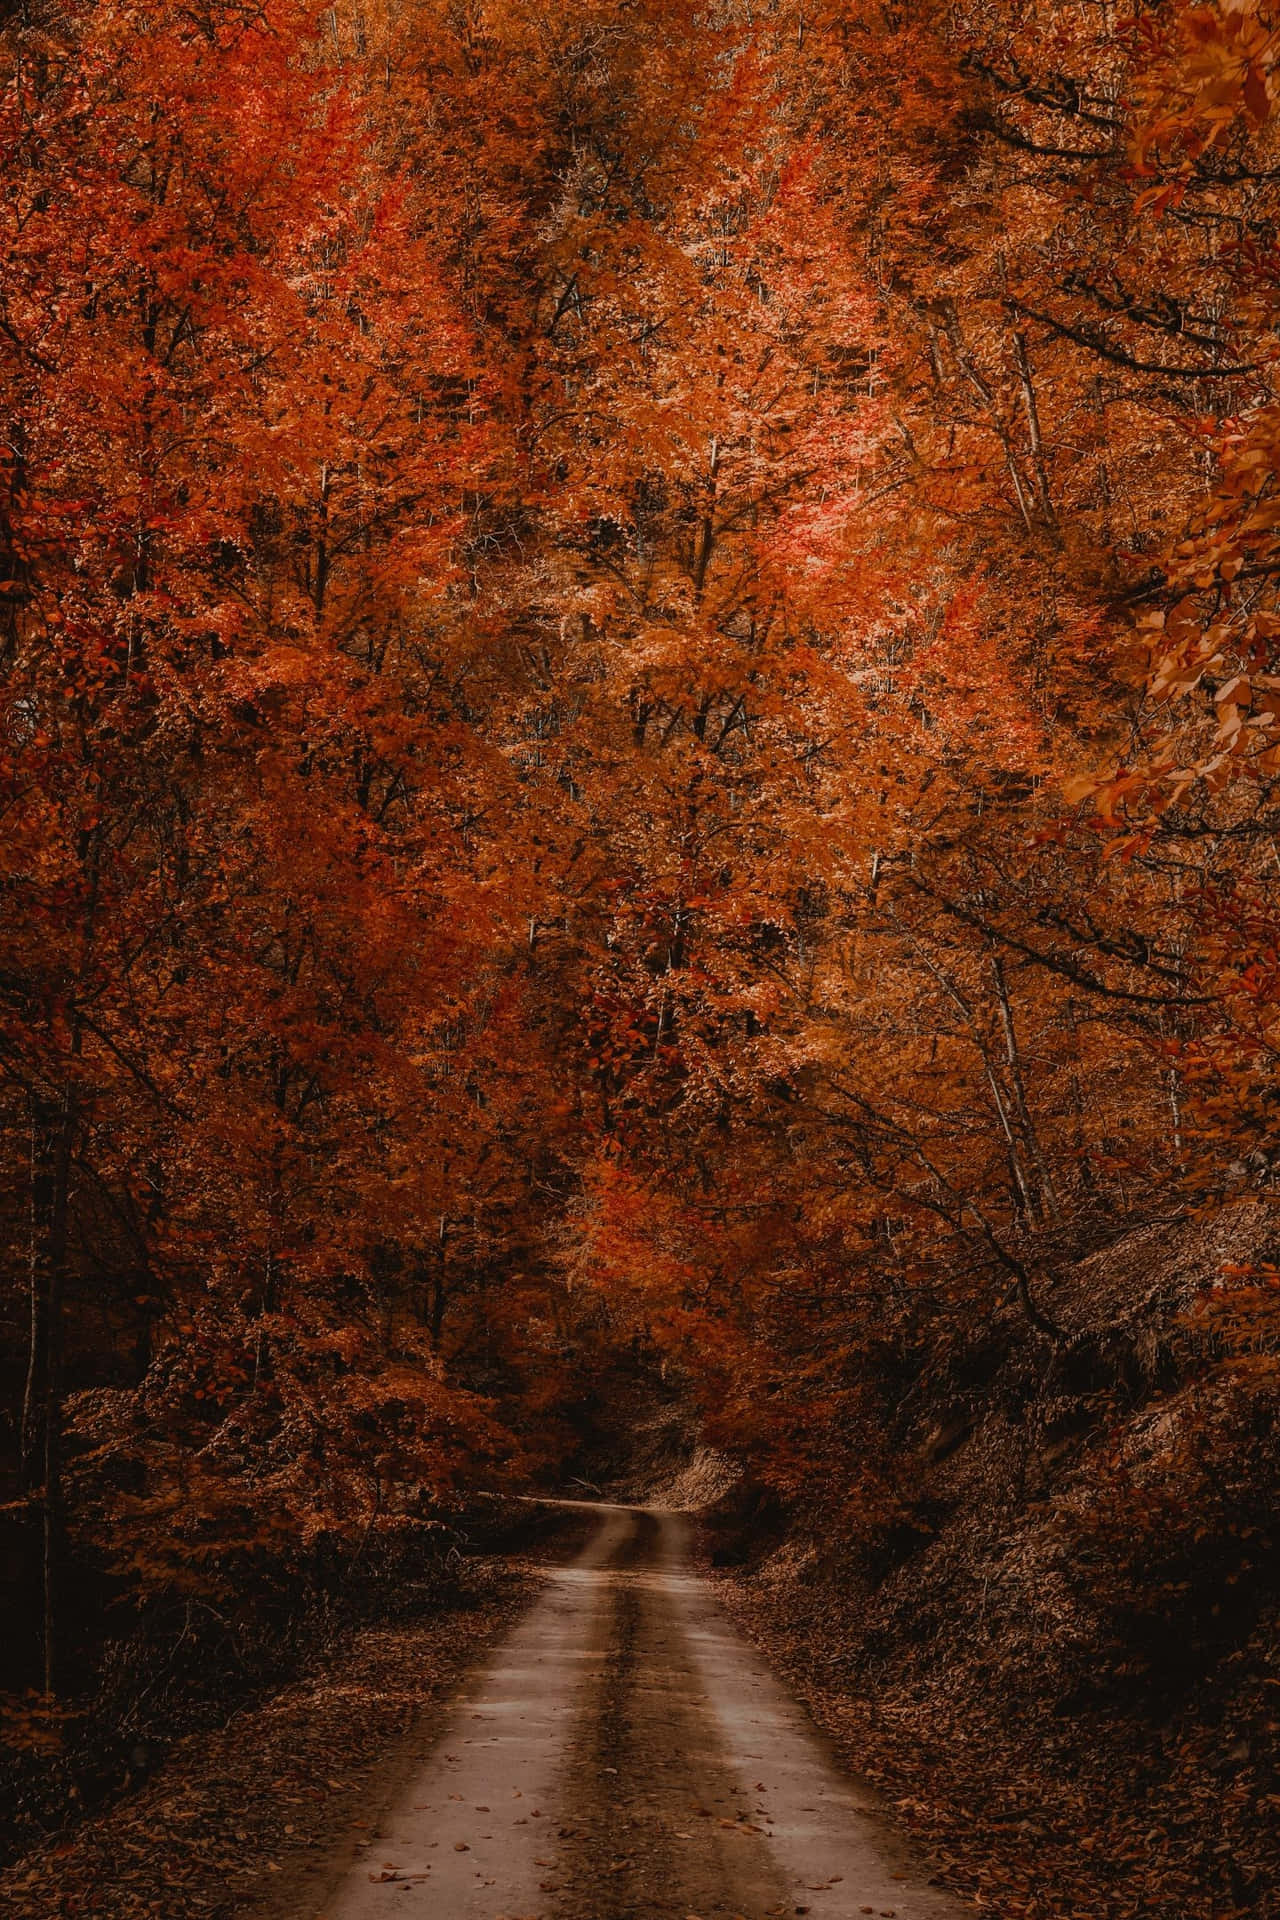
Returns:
(626, 1756)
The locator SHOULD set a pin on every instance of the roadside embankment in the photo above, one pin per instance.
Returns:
(1065, 1674)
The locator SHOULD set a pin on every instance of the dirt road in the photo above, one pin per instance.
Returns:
(625, 1756)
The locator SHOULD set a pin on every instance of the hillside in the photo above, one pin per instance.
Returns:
(1068, 1683)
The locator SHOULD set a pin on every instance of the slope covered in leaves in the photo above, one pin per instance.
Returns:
(1060, 1665)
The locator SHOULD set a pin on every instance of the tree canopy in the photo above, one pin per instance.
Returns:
(641, 658)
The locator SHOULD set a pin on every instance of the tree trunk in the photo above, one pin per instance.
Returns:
(1048, 1193)
(53, 1127)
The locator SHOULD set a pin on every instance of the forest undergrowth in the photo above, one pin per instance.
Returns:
(1067, 1721)
(259, 1810)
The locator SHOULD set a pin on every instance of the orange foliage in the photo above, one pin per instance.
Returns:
(640, 698)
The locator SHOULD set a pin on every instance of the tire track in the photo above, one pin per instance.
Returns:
(660, 1826)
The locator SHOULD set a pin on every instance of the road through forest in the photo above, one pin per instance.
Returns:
(624, 1755)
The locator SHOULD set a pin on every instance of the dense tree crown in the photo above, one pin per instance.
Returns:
(641, 704)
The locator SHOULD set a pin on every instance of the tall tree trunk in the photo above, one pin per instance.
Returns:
(53, 1127)
(1048, 1192)
(41, 1207)
(54, 1379)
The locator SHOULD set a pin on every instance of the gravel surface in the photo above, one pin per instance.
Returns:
(624, 1755)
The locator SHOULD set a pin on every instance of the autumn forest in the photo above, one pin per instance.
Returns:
(640, 754)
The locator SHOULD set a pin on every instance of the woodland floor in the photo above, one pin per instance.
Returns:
(1101, 1817)
(338, 1796)
(243, 1820)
